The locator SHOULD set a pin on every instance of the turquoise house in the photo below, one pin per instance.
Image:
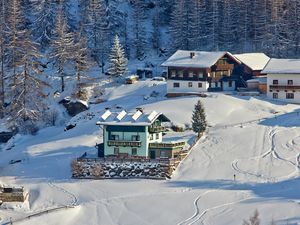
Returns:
(135, 134)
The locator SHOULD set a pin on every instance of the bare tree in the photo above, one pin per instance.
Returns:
(253, 220)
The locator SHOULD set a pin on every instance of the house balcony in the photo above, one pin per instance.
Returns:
(167, 145)
(223, 67)
(124, 143)
(284, 87)
(157, 129)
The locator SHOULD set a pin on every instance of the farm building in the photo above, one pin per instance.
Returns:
(283, 79)
(191, 72)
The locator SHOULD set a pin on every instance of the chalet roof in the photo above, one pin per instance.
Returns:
(255, 61)
(201, 59)
(137, 118)
(282, 66)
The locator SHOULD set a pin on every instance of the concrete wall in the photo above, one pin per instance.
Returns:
(283, 80)
(184, 86)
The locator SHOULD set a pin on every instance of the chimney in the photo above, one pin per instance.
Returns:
(192, 55)
(140, 109)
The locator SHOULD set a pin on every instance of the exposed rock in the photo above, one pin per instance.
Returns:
(5, 136)
(74, 107)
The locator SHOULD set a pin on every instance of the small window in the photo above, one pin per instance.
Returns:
(116, 151)
(114, 137)
(135, 137)
(190, 84)
(275, 82)
(289, 95)
(290, 82)
(201, 75)
(199, 85)
(191, 74)
(176, 85)
(230, 84)
(151, 137)
(275, 95)
(157, 136)
(173, 73)
(216, 84)
(134, 151)
(180, 73)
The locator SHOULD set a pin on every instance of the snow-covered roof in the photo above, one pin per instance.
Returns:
(282, 66)
(201, 59)
(255, 61)
(123, 118)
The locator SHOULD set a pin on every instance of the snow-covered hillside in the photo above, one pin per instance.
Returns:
(254, 139)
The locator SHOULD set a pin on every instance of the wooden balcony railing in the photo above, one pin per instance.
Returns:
(167, 145)
(124, 143)
(157, 129)
(284, 87)
(224, 67)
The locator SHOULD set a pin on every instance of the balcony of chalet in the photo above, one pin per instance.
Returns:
(223, 67)
(284, 87)
(170, 145)
(156, 129)
(124, 143)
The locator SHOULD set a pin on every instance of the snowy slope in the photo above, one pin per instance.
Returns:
(262, 153)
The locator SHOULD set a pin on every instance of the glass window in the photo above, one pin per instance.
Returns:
(151, 137)
(190, 84)
(199, 85)
(180, 73)
(289, 95)
(201, 75)
(116, 151)
(275, 95)
(157, 136)
(191, 74)
(176, 85)
(135, 137)
(230, 84)
(290, 82)
(173, 73)
(114, 137)
(134, 151)
(275, 81)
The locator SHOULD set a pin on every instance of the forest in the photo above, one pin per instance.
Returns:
(75, 35)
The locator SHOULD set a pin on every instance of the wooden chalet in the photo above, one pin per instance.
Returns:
(191, 72)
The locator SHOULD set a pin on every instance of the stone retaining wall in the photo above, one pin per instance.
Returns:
(107, 170)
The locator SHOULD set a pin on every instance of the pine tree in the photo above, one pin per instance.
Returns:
(117, 60)
(44, 23)
(27, 100)
(15, 24)
(98, 28)
(139, 29)
(62, 45)
(81, 63)
(199, 123)
(177, 26)
(2, 57)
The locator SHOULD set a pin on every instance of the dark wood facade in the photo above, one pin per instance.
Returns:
(224, 67)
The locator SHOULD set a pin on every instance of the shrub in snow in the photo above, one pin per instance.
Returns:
(253, 220)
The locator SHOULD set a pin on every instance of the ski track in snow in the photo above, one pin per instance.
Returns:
(274, 154)
(73, 197)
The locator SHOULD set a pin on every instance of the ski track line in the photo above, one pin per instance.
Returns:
(232, 203)
(196, 213)
(274, 154)
(74, 198)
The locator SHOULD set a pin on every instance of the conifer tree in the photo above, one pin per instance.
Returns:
(2, 57)
(81, 63)
(139, 29)
(199, 123)
(27, 100)
(62, 45)
(117, 60)
(44, 24)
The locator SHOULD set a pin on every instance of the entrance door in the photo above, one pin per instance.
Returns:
(152, 154)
